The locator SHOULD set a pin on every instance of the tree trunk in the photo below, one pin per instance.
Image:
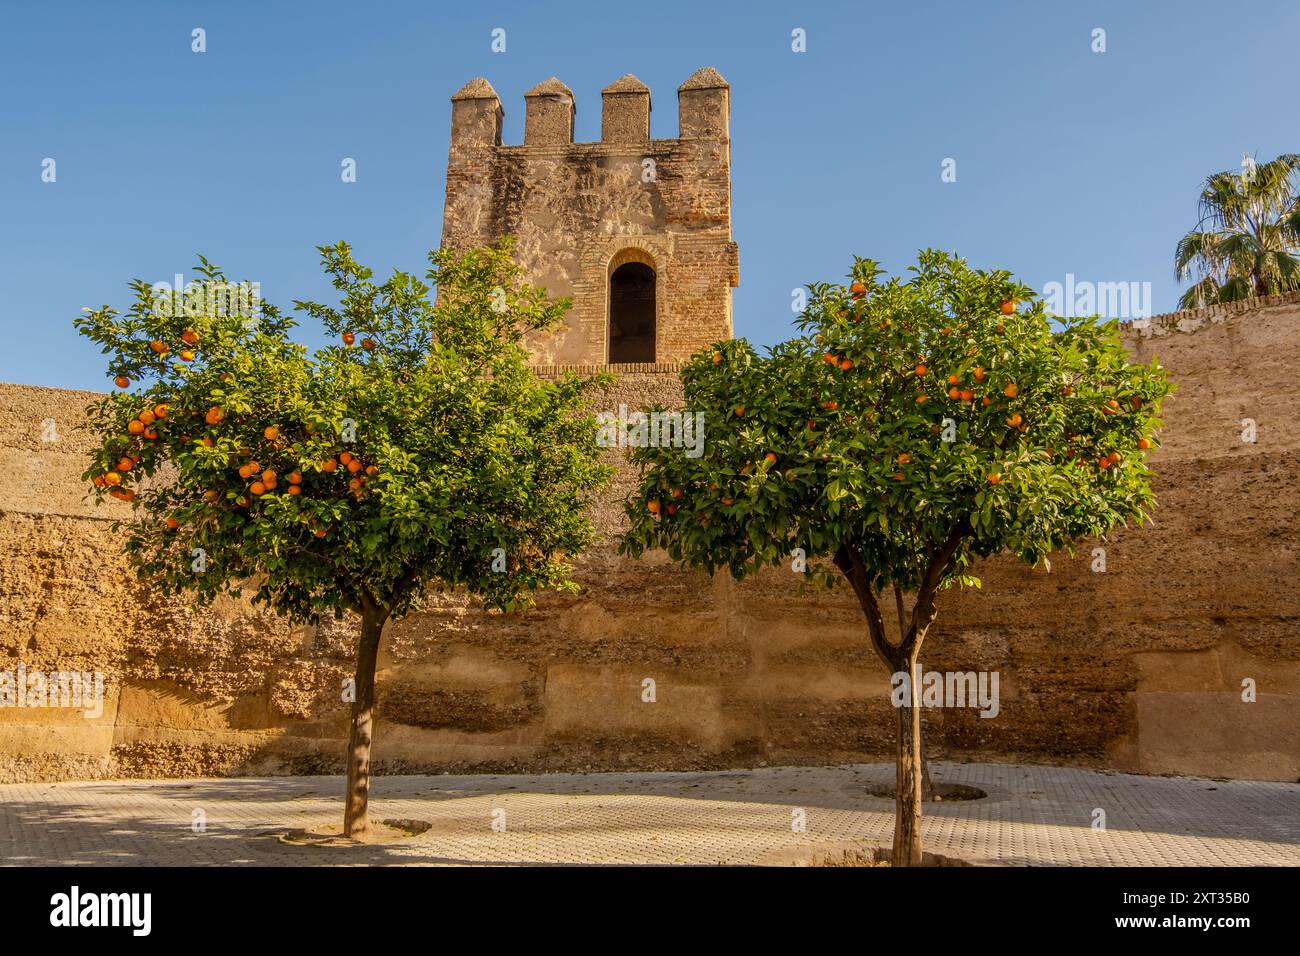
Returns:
(907, 781)
(927, 785)
(356, 819)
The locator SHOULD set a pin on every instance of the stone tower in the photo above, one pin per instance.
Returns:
(635, 231)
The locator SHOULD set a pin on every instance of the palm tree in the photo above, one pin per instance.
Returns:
(1248, 240)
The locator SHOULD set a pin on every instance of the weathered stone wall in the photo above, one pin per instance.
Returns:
(1137, 668)
(579, 210)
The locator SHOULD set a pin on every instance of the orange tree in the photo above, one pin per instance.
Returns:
(916, 425)
(419, 452)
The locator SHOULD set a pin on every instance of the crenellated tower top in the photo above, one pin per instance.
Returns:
(635, 231)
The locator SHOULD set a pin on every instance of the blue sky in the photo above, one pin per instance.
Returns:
(1068, 161)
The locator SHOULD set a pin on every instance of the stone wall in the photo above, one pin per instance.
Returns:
(577, 211)
(1137, 668)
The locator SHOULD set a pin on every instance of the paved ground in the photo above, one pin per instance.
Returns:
(1032, 815)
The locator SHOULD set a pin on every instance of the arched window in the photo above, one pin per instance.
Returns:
(632, 313)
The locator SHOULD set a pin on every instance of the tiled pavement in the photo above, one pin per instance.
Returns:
(1032, 815)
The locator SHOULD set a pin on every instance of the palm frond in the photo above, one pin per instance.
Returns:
(1248, 239)
(1193, 247)
(1203, 293)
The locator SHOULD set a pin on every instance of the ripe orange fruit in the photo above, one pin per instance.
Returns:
(728, 501)
(1144, 443)
(994, 478)
(354, 465)
(122, 381)
(372, 470)
(268, 477)
(158, 345)
(1115, 457)
(652, 506)
(319, 532)
(187, 355)
(257, 488)
(150, 434)
(953, 380)
(349, 338)
(205, 441)
(858, 290)
(1011, 391)
(846, 364)
(770, 458)
(672, 509)
(295, 478)
(329, 464)
(124, 464)
(1103, 462)
(100, 482)
(356, 483)
(127, 494)
(210, 496)
(214, 415)
(271, 433)
(368, 344)
(189, 337)
(1112, 404)
(1014, 420)
(345, 457)
(922, 399)
(1008, 306)
(161, 411)
(1067, 390)
(967, 395)
(147, 417)
(172, 523)
(954, 392)
(112, 478)
(739, 410)
(986, 401)
(979, 374)
(904, 458)
(921, 370)
(717, 358)
(677, 492)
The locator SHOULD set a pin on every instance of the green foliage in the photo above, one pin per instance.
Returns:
(859, 460)
(1247, 242)
(460, 449)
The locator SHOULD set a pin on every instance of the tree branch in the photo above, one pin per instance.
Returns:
(923, 611)
(400, 587)
(849, 562)
(902, 616)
